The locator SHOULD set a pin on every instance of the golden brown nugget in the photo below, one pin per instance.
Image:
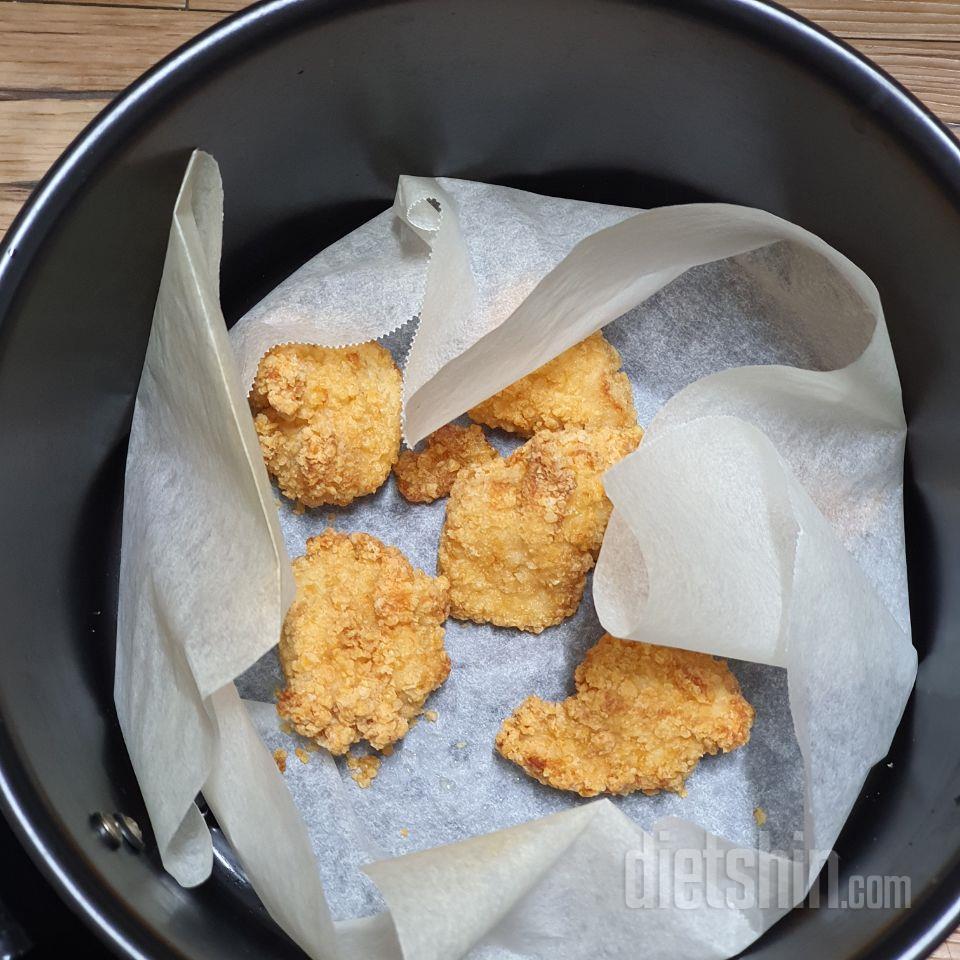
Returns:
(521, 534)
(426, 476)
(362, 643)
(641, 719)
(328, 420)
(583, 387)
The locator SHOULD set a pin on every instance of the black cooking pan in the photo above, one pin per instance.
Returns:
(313, 107)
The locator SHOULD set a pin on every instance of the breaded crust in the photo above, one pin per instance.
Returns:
(641, 719)
(582, 387)
(521, 534)
(426, 476)
(362, 643)
(328, 420)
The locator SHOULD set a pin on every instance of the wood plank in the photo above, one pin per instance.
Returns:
(51, 47)
(225, 6)
(885, 19)
(33, 133)
(162, 4)
(929, 70)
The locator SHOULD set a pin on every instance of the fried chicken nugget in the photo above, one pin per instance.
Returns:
(521, 534)
(583, 387)
(328, 420)
(641, 719)
(362, 643)
(426, 476)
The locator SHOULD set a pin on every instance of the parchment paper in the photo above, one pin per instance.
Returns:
(199, 522)
(761, 518)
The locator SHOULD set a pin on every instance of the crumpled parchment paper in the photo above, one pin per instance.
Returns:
(760, 519)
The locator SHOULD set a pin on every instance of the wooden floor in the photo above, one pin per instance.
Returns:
(60, 63)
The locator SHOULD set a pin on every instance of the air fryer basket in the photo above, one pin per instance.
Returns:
(312, 108)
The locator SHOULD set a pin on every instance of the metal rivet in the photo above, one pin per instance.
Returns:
(107, 829)
(130, 831)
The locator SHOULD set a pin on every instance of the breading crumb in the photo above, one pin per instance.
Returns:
(404, 832)
(760, 816)
(430, 716)
(280, 759)
(365, 769)
(460, 744)
(387, 751)
(302, 755)
(426, 476)
(641, 719)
